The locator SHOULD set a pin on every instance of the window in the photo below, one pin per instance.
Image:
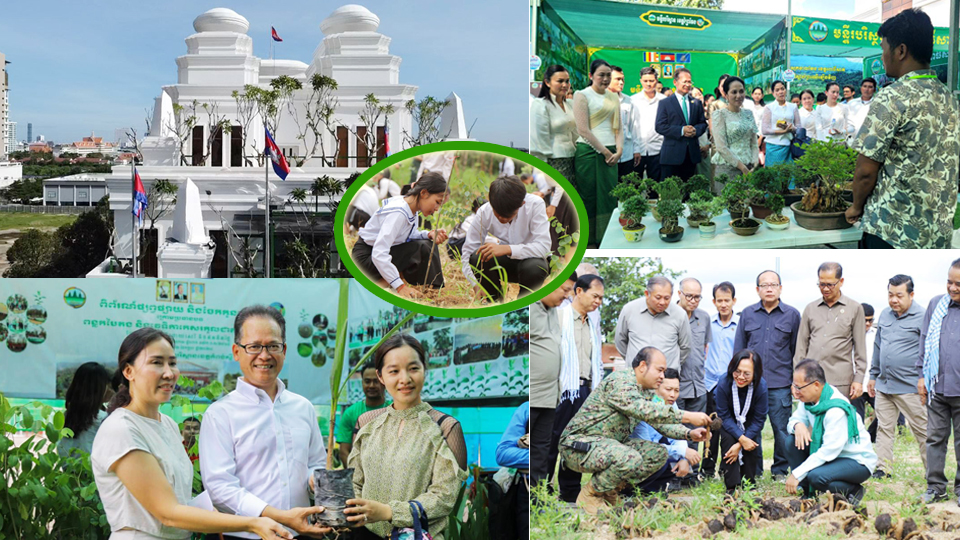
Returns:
(216, 153)
(362, 160)
(342, 146)
(197, 155)
(236, 146)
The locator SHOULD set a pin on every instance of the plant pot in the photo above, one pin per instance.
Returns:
(790, 198)
(708, 229)
(695, 222)
(760, 211)
(634, 234)
(626, 222)
(827, 221)
(777, 225)
(745, 226)
(656, 215)
(848, 195)
(671, 237)
(332, 491)
(734, 214)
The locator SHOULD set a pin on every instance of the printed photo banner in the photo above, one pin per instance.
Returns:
(556, 45)
(49, 327)
(764, 54)
(814, 72)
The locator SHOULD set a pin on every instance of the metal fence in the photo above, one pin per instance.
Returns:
(38, 209)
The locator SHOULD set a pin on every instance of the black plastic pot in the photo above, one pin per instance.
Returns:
(738, 215)
(332, 490)
(671, 237)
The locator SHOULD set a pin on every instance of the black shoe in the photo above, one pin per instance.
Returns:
(933, 496)
(779, 477)
(878, 474)
(856, 496)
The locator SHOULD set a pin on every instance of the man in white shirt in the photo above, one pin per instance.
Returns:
(439, 162)
(386, 187)
(860, 107)
(260, 443)
(647, 142)
(628, 120)
(519, 220)
(506, 167)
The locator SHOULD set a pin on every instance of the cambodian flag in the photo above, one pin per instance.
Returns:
(273, 33)
(273, 152)
(139, 197)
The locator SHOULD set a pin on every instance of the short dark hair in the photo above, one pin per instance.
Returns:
(258, 310)
(774, 272)
(618, 69)
(676, 74)
(369, 364)
(191, 419)
(831, 267)
(812, 371)
(731, 80)
(850, 86)
(649, 71)
(586, 281)
(901, 279)
(643, 355)
(395, 342)
(955, 264)
(506, 195)
(746, 354)
(671, 373)
(910, 27)
(724, 286)
(821, 97)
(867, 310)
(596, 64)
(773, 85)
(573, 278)
(870, 80)
(830, 85)
(808, 91)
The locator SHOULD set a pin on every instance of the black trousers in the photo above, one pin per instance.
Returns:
(523, 512)
(842, 475)
(685, 170)
(541, 432)
(651, 166)
(708, 466)
(529, 273)
(871, 241)
(734, 473)
(455, 246)
(624, 168)
(569, 480)
(417, 261)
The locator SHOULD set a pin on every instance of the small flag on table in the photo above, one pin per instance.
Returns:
(273, 33)
(139, 197)
(273, 152)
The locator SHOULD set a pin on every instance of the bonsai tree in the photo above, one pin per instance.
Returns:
(697, 182)
(633, 211)
(776, 203)
(737, 194)
(625, 189)
(829, 168)
(766, 182)
(704, 206)
(670, 205)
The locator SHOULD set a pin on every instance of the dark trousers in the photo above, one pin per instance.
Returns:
(651, 166)
(569, 479)
(541, 431)
(842, 475)
(624, 168)
(942, 414)
(708, 466)
(871, 241)
(655, 482)
(523, 511)
(684, 171)
(734, 473)
(694, 404)
(455, 246)
(417, 261)
(779, 409)
(529, 273)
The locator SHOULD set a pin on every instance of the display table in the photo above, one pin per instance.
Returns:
(793, 236)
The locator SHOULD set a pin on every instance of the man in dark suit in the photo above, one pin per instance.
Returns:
(681, 121)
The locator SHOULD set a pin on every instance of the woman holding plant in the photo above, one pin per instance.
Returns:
(406, 452)
(778, 125)
(735, 133)
(597, 113)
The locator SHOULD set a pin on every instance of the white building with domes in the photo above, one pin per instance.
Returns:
(219, 60)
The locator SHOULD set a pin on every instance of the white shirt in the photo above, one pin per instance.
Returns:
(392, 224)
(528, 234)
(121, 433)
(831, 118)
(439, 162)
(775, 112)
(545, 184)
(254, 452)
(553, 131)
(367, 200)
(808, 121)
(461, 231)
(857, 111)
(603, 131)
(506, 167)
(630, 123)
(648, 142)
(388, 188)
(871, 335)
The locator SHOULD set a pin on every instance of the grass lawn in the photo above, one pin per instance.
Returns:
(686, 513)
(25, 220)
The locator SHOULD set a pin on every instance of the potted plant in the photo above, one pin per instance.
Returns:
(628, 187)
(670, 208)
(705, 206)
(697, 182)
(737, 195)
(776, 220)
(333, 487)
(826, 167)
(766, 181)
(633, 211)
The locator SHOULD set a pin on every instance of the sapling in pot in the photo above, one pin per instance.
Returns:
(776, 203)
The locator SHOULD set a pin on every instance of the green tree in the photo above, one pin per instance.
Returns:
(319, 109)
(22, 191)
(31, 254)
(426, 117)
(625, 279)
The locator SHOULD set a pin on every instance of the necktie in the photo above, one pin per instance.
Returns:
(683, 104)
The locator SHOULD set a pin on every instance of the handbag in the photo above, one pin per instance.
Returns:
(419, 530)
(799, 138)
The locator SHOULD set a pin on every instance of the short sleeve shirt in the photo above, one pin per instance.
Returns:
(913, 128)
(348, 420)
(121, 433)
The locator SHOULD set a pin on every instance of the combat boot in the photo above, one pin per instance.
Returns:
(592, 501)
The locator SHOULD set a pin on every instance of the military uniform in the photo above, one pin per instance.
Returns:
(597, 439)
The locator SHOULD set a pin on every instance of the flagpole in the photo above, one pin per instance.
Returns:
(133, 213)
(266, 234)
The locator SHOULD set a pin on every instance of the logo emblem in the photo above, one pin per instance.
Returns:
(818, 31)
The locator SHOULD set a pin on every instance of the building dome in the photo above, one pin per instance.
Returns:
(275, 68)
(221, 20)
(350, 18)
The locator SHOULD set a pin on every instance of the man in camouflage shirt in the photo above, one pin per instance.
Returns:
(597, 439)
(912, 133)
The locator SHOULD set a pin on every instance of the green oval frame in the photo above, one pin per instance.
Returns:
(487, 311)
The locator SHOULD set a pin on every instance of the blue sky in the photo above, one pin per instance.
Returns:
(78, 67)
(829, 9)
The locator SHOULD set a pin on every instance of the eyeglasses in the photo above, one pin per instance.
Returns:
(257, 348)
(692, 297)
(824, 285)
(799, 388)
(742, 374)
(769, 285)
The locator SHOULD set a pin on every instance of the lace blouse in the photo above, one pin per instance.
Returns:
(553, 131)
(735, 136)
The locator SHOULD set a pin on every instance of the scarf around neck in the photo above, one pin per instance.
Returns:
(570, 360)
(741, 415)
(610, 109)
(819, 411)
(931, 347)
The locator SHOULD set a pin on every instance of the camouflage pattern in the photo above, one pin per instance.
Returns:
(913, 128)
(605, 422)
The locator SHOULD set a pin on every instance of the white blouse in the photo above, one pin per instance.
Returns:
(774, 112)
(391, 225)
(808, 121)
(832, 118)
(553, 131)
(604, 131)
